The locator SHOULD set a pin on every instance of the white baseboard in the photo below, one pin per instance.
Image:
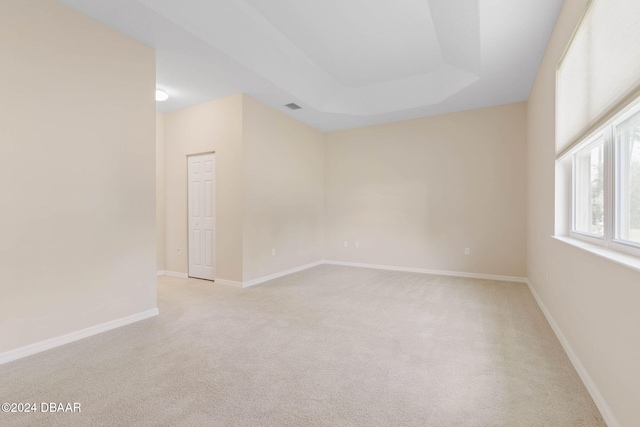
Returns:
(228, 282)
(263, 279)
(175, 274)
(160, 273)
(280, 274)
(597, 397)
(427, 271)
(38, 347)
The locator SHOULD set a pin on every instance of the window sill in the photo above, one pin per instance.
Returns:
(618, 257)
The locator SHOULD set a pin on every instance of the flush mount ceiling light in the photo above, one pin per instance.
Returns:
(161, 95)
(293, 106)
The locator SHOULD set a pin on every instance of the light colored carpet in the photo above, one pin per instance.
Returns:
(329, 346)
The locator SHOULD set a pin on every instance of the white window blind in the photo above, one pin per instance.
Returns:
(600, 68)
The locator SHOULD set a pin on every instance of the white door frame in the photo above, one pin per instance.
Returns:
(210, 273)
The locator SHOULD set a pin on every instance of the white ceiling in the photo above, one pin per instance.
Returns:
(357, 42)
(348, 63)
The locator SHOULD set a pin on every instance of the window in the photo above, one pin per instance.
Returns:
(597, 180)
(628, 180)
(589, 189)
(606, 184)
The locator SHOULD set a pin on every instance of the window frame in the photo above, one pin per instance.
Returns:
(608, 136)
(589, 144)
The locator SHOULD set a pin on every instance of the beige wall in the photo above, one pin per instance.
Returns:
(417, 193)
(213, 126)
(283, 190)
(77, 152)
(160, 223)
(593, 301)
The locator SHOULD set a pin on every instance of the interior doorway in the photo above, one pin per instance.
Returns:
(201, 222)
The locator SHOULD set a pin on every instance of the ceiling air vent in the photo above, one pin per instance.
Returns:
(293, 106)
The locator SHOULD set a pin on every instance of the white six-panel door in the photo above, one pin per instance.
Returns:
(201, 169)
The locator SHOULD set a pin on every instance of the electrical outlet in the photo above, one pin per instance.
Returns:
(178, 251)
(273, 252)
(346, 244)
(357, 245)
(467, 251)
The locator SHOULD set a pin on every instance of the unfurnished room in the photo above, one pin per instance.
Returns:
(320, 213)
